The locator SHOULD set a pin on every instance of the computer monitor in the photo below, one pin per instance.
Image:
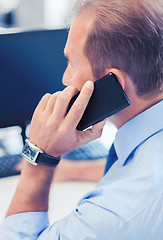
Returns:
(31, 64)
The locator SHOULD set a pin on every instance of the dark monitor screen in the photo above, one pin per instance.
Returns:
(31, 64)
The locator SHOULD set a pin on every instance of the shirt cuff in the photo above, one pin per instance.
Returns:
(24, 225)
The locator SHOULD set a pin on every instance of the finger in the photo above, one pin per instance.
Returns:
(63, 101)
(93, 133)
(43, 102)
(51, 102)
(98, 128)
(74, 115)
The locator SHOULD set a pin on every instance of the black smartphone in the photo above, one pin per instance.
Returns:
(107, 99)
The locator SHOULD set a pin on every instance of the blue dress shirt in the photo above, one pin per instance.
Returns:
(127, 204)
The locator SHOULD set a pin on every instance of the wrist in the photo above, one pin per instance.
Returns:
(32, 193)
(36, 156)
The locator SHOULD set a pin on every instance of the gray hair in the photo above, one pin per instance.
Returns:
(127, 35)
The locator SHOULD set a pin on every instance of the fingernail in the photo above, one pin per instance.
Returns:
(89, 84)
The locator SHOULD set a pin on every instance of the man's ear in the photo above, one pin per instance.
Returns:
(121, 76)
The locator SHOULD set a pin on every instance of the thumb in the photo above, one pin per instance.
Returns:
(98, 128)
(93, 133)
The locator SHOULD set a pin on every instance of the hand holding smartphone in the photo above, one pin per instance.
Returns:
(107, 99)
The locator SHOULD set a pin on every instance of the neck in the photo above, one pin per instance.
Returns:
(137, 106)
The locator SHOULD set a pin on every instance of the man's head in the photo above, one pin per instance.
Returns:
(126, 35)
(120, 36)
(79, 69)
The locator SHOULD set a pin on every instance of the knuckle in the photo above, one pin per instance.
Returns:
(47, 95)
(44, 98)
(63, 131)
(78, 107)
(62, 97)
(56, 94)
(99, 133)
(50, 123)
(67, 93)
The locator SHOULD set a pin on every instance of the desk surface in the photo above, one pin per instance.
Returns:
(63, 197)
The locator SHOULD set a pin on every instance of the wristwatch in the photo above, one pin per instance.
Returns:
(36, 156)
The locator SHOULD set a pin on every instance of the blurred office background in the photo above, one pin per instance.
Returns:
(22, 16)
(35, 14)
(26, 15)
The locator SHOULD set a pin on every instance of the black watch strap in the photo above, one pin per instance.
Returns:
(47, 160)
(36, 156)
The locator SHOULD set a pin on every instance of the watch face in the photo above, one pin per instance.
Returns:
(30, 154)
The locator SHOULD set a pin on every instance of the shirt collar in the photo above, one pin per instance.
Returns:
(137, 130)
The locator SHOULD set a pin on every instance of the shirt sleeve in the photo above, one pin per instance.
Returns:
(87, 221)
(24, 226)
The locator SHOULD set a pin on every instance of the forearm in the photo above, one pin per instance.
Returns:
(32, 193)
(80, 170)
(53, 130)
